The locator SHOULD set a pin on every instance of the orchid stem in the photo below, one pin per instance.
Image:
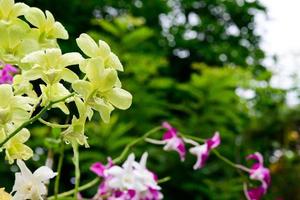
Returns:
(81, 188)
(223, 158)
(53, 125)
(33, 119)
(163, 180)
(77, 169)
(59, 168)
(134, 142)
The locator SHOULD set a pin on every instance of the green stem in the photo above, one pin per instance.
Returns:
(81, 188)
(53, 125)
(134, 142)
(163, 180)
(226, 160)
(192, 137)
(33, 119)
(59, 168)
(77, 169)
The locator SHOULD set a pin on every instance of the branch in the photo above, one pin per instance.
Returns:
(53, 125)
(83, 187)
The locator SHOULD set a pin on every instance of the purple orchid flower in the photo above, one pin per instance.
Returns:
(202, 151)
(260, 173)
(99, 168)
(6, 74)
(172, 141)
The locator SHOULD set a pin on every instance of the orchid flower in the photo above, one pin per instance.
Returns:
(75, 133)
(16, 42)
(260, 173)
(15, 147)
(171, 140)
(30, 185)
(9, 11)
(22, 86)
(98, 168)
(51, 65)
(6, 74)
(55, 92)
(14, 108)
(101, 50)
(103, 91)
(122, 177)
(202, 151)
(46, 24)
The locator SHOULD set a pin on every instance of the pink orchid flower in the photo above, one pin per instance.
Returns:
(172, 141)
(6, 74)
(202, 151)
(260, 173)
(99, 168)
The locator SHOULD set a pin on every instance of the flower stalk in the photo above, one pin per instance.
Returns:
(77, 169)
(59, 168)
(81, 188)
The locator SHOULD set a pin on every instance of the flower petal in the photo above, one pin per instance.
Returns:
(70, 59)
(24, 170)
(114, 62)
(44, 173)
(87, 45)
(83, 88)
(119, 98)
(69, 75)
(35, 16)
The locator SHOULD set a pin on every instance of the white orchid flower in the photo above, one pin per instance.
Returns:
(30, 185)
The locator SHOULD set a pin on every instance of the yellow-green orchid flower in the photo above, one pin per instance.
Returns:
(15, 147)
(50, 65)
(9, 11)
(75, 133)
(22, 86)
(101, 50)
(14, 108)
(101, 92)
(53, 93)
(46, 24)
(16, 41)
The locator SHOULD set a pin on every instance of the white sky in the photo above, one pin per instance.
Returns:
(281, 36)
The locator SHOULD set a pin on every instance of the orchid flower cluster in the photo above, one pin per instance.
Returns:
(29, 49)
(35, 76)
(131, 181)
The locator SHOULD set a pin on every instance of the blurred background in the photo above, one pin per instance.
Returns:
(202, 65)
